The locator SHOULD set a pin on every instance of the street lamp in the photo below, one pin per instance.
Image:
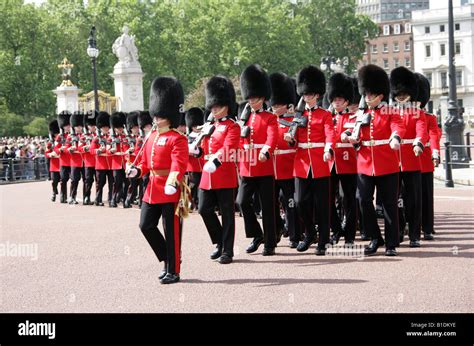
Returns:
(332, 64)
(454, 124)
(93, 53)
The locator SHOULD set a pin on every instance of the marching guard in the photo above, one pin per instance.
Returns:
(89, 158)
(63, 142)
(54, 166)
(77, 123)
(165, 157)
(259, 135)
(132, 150)
(117, 149)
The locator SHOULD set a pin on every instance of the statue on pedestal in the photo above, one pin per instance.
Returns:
(125, 49)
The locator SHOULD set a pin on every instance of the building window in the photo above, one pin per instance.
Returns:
(374, 61)
(442, 49)
(427, 29)
(374, 49)
(407, 62)
(457, 26)
(428, 51)
(385, 64)
(457, 48)
(397, 29)
(444, 80)
(386, 29)
(459, 77)
(385, 47)
(407, 28)
(395, 47)
(396, 62)
(407, 45)
(441, 28)
(429, 76)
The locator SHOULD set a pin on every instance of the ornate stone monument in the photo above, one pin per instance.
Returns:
(128, 75)
(67, 94)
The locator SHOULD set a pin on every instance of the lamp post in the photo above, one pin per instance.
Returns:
(93, 53)
(332, 64)
(454, 124)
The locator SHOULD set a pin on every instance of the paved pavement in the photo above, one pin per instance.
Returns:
(94, 259)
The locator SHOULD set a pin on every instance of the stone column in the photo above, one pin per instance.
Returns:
(67, 98)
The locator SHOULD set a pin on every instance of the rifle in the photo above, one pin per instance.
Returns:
(61, 136)
(114, 139)
(74, 138)
(206, 130)
(244, 117)
(100, 139)
(130, 139)
(298, 120)
(362, 119)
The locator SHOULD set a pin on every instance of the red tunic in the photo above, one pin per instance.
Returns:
(224, 142)
(64, 156)
(312, 142)
(165, 157)
(345, 157)
(415, 128)
(376, 160)
(431, 142)
(117, 158)
(263, 135)
(53, 161)
(74, 150)
(195, 163)
(87, 155)
(283, 155)
(102, 160)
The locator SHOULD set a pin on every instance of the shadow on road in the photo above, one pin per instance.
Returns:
(275, 282)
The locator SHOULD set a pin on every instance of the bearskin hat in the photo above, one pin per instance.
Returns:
(90, 117)
(283, 90)
(144, 119)
(194, 117)
(64, 119)
(117, 119)
(53, 128)
(166, 99)
(132, 120)
(103, 120)
(373, 79)
(340, 85)
(220, 92)
(424, 89)
(403, 81)
(254, 82)
(77, 119)
(355, 90)
(310, 79)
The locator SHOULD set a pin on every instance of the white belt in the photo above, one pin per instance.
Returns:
(251, 146)
(285, 151)
(311, 145)
(344, 145)
(408, 141)
(375, 142)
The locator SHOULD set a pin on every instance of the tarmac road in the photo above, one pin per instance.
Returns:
(95, 259)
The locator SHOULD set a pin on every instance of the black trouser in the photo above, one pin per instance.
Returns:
(194, 181)
(427, 202)
(55, 178)
(119, 178)
(349, 204)
(65, 172)
(412, 202)
(221, 234)
(265, 188)
(310, 195)
(286, 189)
(133, 188)
(101, 176)
(76, 173)
(89, 180)
(166, 248)
(387, 189)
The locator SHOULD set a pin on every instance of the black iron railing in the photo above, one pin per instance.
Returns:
(21, 169)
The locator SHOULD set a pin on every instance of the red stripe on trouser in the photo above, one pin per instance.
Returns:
(177, 248)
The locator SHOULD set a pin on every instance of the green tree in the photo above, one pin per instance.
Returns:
(37, 127)
(11, 124)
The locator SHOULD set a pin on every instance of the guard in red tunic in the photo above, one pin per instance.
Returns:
(77, 123)
(194, 117)
(429, 158)
(283, 103)
(54, 167)
(63, 142)
(344, 166)
(103, 166)
(381, 130)
(117, 149)
(165, 157)
(404, 89)
(219, 175)
(315, 148)
(145, 123)
(259, 136)
(132, 137)
(89, 158)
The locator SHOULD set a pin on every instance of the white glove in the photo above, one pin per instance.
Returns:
(209, 167)
(353, 140)
(327, 156)
(417, 150)
(193, 150)
(344, 137)
(131, 172)
(394, 144)
(170, 190)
